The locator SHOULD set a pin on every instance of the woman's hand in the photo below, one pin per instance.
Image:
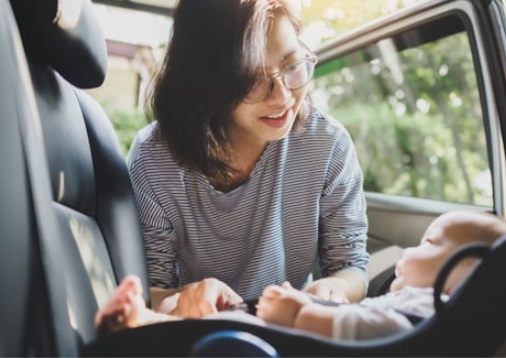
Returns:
(200, 299)
(281, 304)
(329, 289)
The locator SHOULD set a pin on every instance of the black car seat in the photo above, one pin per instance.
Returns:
(471, 324)
(16, 218)
(83, 216)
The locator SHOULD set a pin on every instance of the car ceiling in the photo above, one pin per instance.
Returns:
(162, 7)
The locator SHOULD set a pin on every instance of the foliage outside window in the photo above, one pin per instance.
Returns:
(415, 118)
(126, 124)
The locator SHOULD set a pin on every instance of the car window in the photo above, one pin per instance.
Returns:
(412, 106)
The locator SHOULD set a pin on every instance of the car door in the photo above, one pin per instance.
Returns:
(422, 94)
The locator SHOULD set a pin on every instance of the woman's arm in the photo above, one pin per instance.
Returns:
(343, 227)
(159, 236)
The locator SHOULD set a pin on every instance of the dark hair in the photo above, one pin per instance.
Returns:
(211, 64)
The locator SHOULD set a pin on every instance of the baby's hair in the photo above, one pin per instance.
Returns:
(479, 227)
(463, 228)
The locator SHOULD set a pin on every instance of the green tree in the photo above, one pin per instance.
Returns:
(126, 123)
(414, 115)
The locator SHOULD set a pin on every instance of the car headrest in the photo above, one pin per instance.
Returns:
(65, 35)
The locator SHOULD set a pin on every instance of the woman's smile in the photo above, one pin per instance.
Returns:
(278, 120)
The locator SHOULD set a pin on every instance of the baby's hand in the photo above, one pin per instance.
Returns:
(123, 309)
(281, 304)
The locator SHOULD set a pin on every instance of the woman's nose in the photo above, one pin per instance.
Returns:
(279, 91)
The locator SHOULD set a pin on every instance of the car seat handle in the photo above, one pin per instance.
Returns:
(472, 250)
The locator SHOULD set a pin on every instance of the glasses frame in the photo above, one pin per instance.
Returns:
(312, 58)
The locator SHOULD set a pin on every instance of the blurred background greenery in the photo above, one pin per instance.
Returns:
(127, 123)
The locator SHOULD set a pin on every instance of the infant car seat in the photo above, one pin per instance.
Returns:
(471, 323)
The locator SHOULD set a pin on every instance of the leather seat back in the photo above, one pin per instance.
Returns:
(91, 190)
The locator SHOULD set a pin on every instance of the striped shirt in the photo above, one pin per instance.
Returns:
(303, 204)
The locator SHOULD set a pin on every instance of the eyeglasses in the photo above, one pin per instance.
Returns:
(294, 75)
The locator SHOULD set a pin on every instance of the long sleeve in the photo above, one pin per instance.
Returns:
(343, 220)
(383, 315)
(160, 239)
(356, 322)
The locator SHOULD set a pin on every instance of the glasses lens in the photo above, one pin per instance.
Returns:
(295, 75)
(259, 90)
(298, 74)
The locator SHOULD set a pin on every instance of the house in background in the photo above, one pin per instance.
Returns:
(136, 41)
(130, 69)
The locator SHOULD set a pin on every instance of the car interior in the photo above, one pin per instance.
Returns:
(69, 230)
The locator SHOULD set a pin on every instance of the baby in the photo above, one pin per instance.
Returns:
(411, 293)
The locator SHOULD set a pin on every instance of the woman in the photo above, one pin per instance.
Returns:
(239, 182)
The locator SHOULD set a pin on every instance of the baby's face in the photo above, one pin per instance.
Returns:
(420, 265)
